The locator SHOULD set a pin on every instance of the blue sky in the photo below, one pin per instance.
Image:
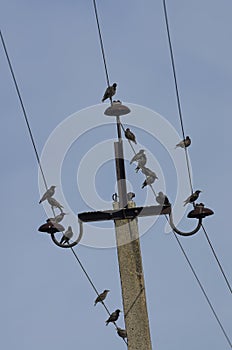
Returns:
(46, 301)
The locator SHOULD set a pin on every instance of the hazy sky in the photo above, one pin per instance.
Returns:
(46, 301)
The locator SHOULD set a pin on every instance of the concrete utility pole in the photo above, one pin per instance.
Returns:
(125, 215)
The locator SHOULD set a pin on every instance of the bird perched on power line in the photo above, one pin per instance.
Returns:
(130, 136)
(149, 172)
(122, 333)
(110, 91)
(67, 235)
(193, 197)
(138, 156)
(101, 297)
(113, 317)
(184, 143)
(58, 218)
(141, 163)
(130, 196)
(49, 193)
(149, 180)
(54, 203)
(162, 199)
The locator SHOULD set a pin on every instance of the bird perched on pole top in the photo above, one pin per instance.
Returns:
(149, 180)
(113, 317)
(49, 193)
(130, 136)
(162, 199)
(101, 297)
(67, 235)
(54, 203)
(184, 143)
(138, 156)
(58, 218)
(193, 197)
(110, 91)
(122, 333)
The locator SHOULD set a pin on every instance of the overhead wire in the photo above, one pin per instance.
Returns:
(183, 133)
(40, 165)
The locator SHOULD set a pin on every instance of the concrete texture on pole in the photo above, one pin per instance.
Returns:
(132, 283)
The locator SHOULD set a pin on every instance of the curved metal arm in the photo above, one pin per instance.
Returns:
(184, 233)
(69, 245)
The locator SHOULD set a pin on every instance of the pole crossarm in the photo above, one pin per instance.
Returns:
(125, 213)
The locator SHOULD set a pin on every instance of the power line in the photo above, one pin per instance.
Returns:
(182, 128)
(40, 165)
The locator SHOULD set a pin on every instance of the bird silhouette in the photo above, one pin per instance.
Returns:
(58, 218)
(130, 136)
(162, 199)
(122, 333)
(110, 91)
(113, 317)
(184, 143)
(54, 203)
(149, 172)
(49, 193)
(141, 163)
(101, 297)
(67, 235)
(149, 180)
(193, 197)
(137, 156)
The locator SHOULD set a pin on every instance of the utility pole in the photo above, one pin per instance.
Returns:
(125, 215)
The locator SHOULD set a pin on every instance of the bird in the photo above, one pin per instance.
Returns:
(184, 143)
(113, 317)
(162, 199)
(54, 203)
(141, 163)
(130, 196)
(110, 91)
(137, 156)
(130, 136)
(49, 193)
(101, 297)
(58, 218)
(122, 333)
(193, 197)
(149, 180)
(51, 227)
(67, 235)
(149, 172)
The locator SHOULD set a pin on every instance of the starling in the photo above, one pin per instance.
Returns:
(193, 197)
(138, 156)
(122, 333)
(130, 136)
(149, 172)
(162, 199)
(101, 297)
(130, 196)
(67, 235)
(58, 218)
(54, 203)
(149, 180)
(110, 91)
(113, 317)
(141, 163)
(48, 194)
(184, 143)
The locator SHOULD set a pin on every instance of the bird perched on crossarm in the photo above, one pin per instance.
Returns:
(113, 317)
(122, 333)
(110, 91)
(49, 193)
(184, 143)
(130, 136)
(101, 297)
(54, 203)
(193, 197)
(162, 199)
(67, 235)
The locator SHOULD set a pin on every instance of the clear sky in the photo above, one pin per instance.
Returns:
(46, 301)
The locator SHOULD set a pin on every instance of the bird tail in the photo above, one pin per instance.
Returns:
(107, 323)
